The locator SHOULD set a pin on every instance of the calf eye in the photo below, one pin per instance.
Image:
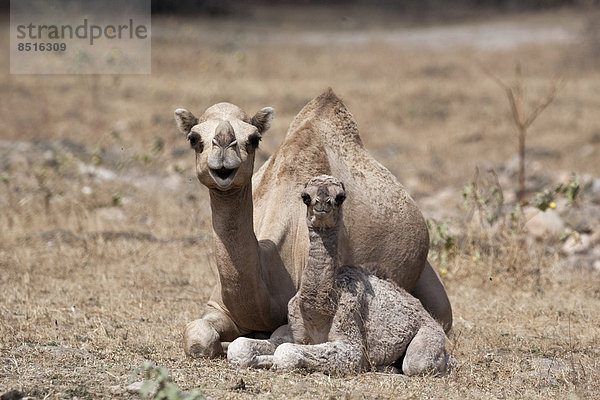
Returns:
(306, 198)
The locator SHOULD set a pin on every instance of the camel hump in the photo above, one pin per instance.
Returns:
(328, 115)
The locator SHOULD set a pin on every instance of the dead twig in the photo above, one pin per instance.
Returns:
(521, 119)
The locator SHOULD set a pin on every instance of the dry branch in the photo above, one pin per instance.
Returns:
(521, 120)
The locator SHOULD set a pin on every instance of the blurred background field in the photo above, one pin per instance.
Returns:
(105, 233)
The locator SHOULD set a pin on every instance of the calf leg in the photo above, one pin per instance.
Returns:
(426, 353)
(245, 352)
(329, 357)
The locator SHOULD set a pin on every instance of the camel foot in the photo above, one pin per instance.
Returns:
(201, 339)
(426, 353)
(245, 352)
(288, 357)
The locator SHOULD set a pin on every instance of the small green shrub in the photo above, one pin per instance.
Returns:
(157, 384)
(441, 243)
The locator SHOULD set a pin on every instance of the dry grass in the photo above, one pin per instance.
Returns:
(81, 307)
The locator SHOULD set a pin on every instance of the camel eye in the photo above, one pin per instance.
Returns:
(195, 141)
(254, 140)
(339, 199)
(306, 198)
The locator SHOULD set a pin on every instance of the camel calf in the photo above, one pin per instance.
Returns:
(343, 319)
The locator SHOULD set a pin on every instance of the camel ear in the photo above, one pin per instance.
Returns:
(262, 119)
(185, 120)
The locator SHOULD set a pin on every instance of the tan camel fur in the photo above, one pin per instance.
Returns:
(343, 319)
(261, 238)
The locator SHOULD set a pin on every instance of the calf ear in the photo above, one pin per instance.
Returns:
(262, 119)
(185, 120)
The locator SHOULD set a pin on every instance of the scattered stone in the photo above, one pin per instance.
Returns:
(542, 224)
(93, 171)
(584, 219)
(576, 243)
(61, 351)
(115, 389)
(546, 371)
(111, 214)
(431, 204)
(549, 370)
(136, 387)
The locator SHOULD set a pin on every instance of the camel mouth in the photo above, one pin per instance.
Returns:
(223, 176)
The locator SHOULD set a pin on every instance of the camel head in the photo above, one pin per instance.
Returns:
(323, 196)
(225, 140)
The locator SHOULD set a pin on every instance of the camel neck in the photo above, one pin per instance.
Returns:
(323, 250)
(232, 214)
(318, 278)
(236, 246)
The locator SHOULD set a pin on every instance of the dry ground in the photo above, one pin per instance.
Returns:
(105, 250)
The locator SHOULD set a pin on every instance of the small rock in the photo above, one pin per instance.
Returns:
(545, 371)
(136, 387)
(582, 219)
(595, 186)
(549, 370)
(595, 238)
(115, 389)
(94, 171)
(542, 224)
(111, 214)
(577, 243)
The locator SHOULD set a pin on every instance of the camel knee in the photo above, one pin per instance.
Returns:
(201, 339)
(283, 334)
(426, 353)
